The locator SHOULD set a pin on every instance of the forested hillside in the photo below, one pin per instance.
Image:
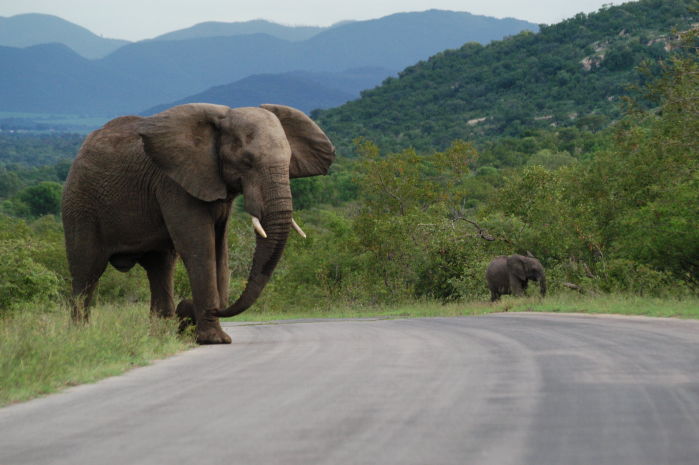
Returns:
(571, 74)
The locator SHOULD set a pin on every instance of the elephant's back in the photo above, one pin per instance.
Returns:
(496, 267)
(110, 171)
(114, 143)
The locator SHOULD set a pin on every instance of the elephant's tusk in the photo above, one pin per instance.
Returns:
(258, 227)
(298, 228)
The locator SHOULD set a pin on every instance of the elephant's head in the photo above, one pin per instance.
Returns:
(527, 268)
(215, 152)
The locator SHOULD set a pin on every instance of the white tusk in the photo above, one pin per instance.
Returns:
(298, 228)
(258, 227)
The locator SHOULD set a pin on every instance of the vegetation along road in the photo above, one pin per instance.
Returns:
(498, 389)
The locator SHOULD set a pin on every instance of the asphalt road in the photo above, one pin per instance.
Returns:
(500, 389)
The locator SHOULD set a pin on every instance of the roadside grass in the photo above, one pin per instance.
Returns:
(43, 352)
(415, 309)
(620, 304)
(615, 304)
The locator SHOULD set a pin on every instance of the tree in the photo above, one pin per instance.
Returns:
(42, 199)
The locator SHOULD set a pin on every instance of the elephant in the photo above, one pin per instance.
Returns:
(148, 190)
(510, 275)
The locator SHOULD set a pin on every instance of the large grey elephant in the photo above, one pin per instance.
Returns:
(510, 275)
(147, 189)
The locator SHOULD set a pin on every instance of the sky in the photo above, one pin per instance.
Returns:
(143, 19)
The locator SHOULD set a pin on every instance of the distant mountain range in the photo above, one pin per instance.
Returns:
(305, 90)
(51, 78)
(258, 26)
(137, 76)
(36, 29)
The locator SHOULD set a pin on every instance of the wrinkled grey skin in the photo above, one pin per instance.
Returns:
(510, 275)
(147, 189)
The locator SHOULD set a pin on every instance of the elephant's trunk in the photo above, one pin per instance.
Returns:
(276, 222)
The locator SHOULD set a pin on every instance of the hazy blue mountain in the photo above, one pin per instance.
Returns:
(407, 37)
(258, 26)
(152, 72)
(351, 81)
(174, 69)
(184, 67)
(268, 88)
(52, 78)
(304, 90)
(33, 29)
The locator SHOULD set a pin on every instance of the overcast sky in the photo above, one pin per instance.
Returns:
(143, 19)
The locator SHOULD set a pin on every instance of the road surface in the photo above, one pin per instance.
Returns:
(500, 389)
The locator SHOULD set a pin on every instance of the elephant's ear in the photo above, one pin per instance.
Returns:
(515, 265)
(182, 141)
(312, 153)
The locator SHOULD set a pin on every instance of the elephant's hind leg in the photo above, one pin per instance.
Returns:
(87, 261)
(160, 268)
(82, 297)
(86, 270)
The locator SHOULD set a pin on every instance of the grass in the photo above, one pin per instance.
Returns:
(562, 303)
(615, 304)
(42, 353)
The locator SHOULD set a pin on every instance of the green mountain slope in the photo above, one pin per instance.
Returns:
(570, 73)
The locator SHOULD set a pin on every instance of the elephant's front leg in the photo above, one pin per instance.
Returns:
(205, 300)
(516, 286)
(189, 223)
(185, 309)
(199, 257)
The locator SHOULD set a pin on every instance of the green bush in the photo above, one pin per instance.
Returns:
(22, 279)
(43, 198)
(453, 269)
(626, 276)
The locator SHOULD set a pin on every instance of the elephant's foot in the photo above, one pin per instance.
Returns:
(212, 334)
(209, 330)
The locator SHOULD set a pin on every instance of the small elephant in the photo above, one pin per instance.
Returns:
(510, 275)
(147, 189)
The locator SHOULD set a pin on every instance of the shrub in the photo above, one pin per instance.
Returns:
(454, 267)
(24, 280)
(42, 199)
(115, 286)
(623, 275)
